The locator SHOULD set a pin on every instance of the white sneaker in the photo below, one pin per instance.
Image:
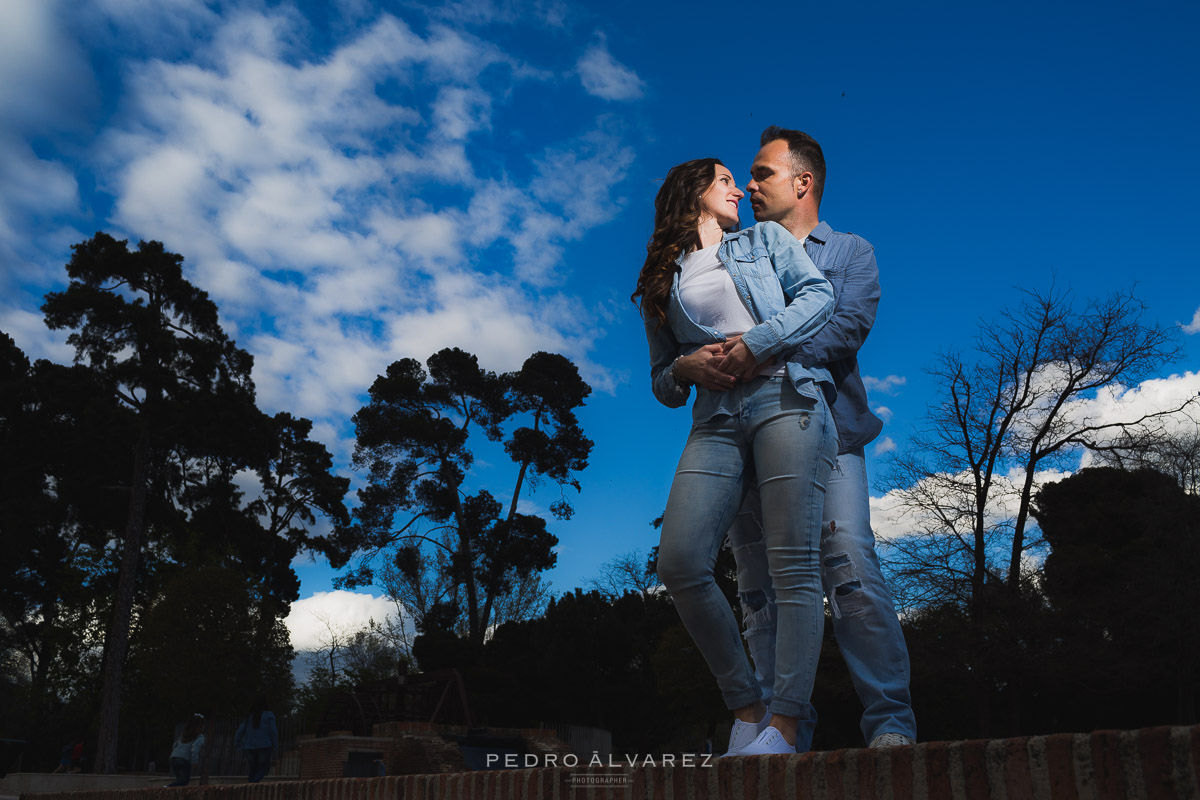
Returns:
(743, 733)
(769, 743)
(891, 740)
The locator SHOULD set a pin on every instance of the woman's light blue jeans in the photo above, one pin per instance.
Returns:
(789, 441)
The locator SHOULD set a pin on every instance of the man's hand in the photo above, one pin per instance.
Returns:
(701, 368)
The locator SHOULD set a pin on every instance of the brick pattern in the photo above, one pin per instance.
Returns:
(420, 748)
(1106, 765)
(325, 757)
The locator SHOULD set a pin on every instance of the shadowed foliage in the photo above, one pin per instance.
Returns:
(146, 459)
(455, 557)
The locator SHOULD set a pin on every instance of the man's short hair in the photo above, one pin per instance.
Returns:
(805, 153)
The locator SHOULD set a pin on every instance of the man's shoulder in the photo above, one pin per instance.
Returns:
(842, 240)
(839, 245)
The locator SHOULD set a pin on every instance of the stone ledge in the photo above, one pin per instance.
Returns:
(1105, 765)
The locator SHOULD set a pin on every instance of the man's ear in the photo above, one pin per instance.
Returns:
(803, 184)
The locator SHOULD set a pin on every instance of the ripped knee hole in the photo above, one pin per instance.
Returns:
(843, 589)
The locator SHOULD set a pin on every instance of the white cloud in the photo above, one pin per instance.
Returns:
(1113, 404)
(158, 26)
(458, 112)
(884, 413)
(311, 618)
(891, 518)
(30, 333)
(31, 185)
(1193, 326)
(1119, 404)
(551, 13)
(884, 445)
(605, 77)
(884, 385)
(45, 75)
(296, 191)
(45, 84)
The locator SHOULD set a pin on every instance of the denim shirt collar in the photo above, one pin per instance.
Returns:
(821, 233)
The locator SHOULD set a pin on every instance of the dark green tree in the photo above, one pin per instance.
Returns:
(456, 554)
(156, 340)
(153, 342)
(209, 640)
(1121, 579)
(58, 449)
(606, 662)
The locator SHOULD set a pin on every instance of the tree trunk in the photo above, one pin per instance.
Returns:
(44, 659)
(1018, 543)
(116, 644)
(467, 554)
(490, 600)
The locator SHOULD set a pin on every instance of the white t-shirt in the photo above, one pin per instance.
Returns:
(708, 294)
(710, 298)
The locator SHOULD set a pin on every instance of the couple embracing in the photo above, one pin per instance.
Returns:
(765, 324)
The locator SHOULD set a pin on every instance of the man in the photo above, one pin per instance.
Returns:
(787, 180)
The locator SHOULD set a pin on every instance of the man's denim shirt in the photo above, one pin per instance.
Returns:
(848, 261)
(769, 268)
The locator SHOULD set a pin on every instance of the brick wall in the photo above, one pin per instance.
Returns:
(325, 757)
(1155, 763)
(411, 748)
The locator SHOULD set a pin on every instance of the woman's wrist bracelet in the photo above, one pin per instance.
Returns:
(675, 373)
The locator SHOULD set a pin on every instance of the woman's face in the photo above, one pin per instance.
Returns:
(720, 200)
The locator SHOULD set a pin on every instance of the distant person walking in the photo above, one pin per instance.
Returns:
(72, 756)
(186, 752)
(259, 739)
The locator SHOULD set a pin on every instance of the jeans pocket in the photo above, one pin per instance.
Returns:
(794, 399)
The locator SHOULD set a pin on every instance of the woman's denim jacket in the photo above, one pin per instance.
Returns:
(783, 290)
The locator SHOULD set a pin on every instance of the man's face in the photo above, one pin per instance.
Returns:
(772, 187)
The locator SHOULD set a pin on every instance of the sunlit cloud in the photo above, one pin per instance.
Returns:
(886, 385)
(29, 330)
(313, 620)
(295, 190)
(44, 80)
(891, 517)
(1118, 404)
(605, 77)
(1193, 326)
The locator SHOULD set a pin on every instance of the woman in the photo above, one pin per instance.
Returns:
(722, 312)
(258, 738)
(186, 752)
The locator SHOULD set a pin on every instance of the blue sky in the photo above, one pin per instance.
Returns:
(356, 182)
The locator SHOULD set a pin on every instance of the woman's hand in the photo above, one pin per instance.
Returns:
(702, 368)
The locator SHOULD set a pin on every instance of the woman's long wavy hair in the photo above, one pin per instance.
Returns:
(676, 231)
(256, 710)
(193, 728)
